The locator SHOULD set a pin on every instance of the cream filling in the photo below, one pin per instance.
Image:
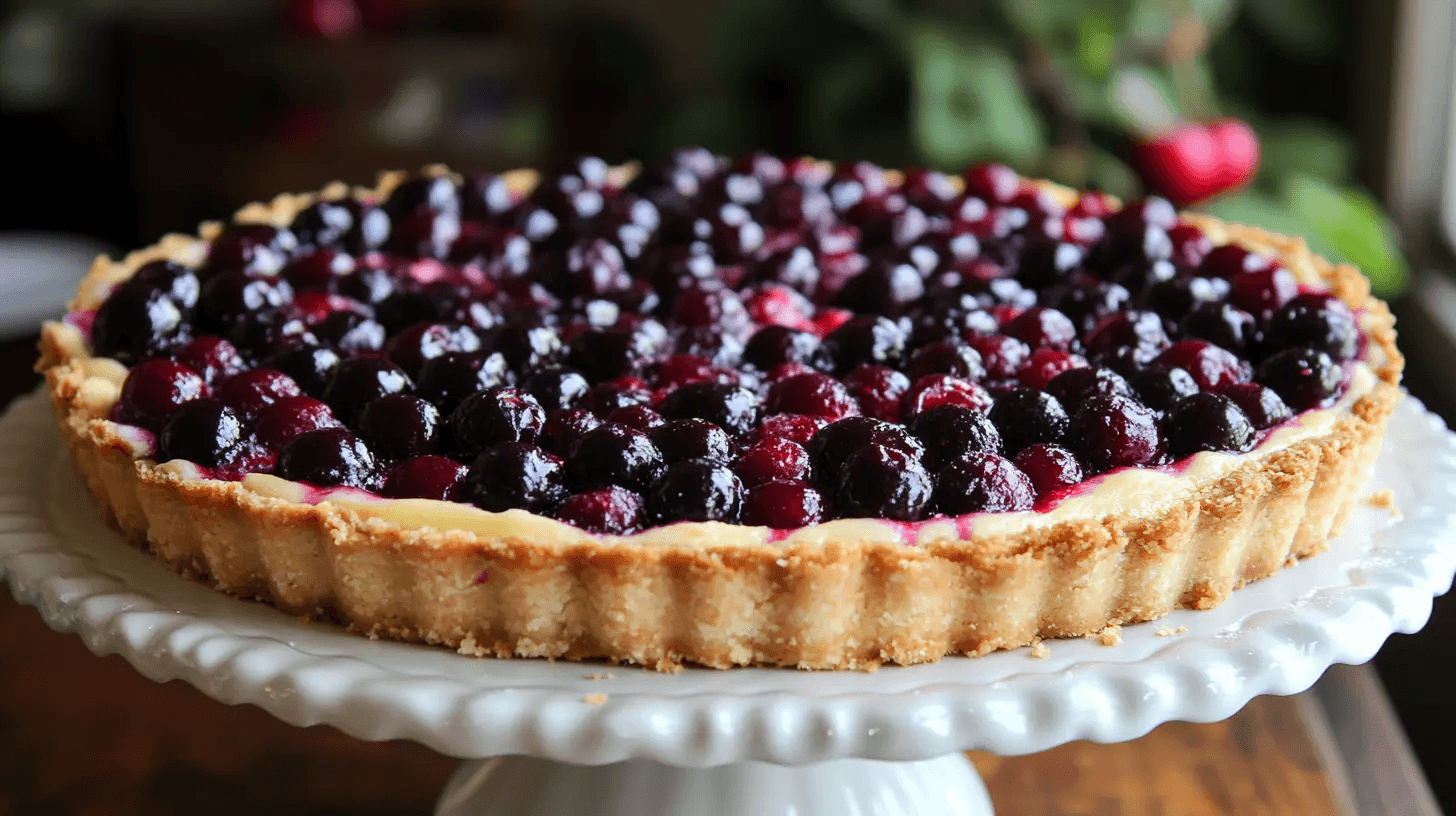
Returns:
(1136, 489)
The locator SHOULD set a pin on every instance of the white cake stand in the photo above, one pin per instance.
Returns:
(571, 738)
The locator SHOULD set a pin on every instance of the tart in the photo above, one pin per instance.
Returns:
(724, 412)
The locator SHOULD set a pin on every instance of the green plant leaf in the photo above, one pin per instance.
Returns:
(1354, 225)
(1096, 43)
(1307, 147)
(1142, 100)
(1258, 209)
(967, 102)
(1305, 27)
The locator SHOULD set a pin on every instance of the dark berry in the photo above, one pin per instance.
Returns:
(448, 379)
(942, 389)
(312, 367)
(1260, 404)
(951, 431)
(953, 357)
(887, 289)
(1042, 327)
(563, 429)
(291, 417)
(1026, 417)
(1212, 367)
(980, 482)
(1175, 299)
(1208, 422)
(692, 439)
(711, 343)
(1319, 322)
(330, 457)
(171, 279)
(773, 459)
(837, 441)
(154, 389)
(227, 296)
(1049, 467)
(424, 477)
(613, 454)
(514, 476)
(351, 332)
(879, 481)
(773, 346)
(526, 348)
(360, 381)
(1045, 262)
(1074, 387)
(783, 505)
(878, 391)
(607, 397)
(250, 392)
(367, 285)
(607, 355)
(793, 427)
(400, 426)
(322, 223)
(731, 408)
(493, 416)
(639, 417)
(212, 357)
(1044, 364)
(1223, 325)
(1304, 378)
(412, 348)
(812, 394)
(1263, 292)
(609, 511)
(204, 432)
(866, 340)
(1002, 356)
(136, 322)
(1111, 432)
(317, 270)
(556, 388)
(697, 490)
(1160, 388)
(1139, 330)
(254, 248)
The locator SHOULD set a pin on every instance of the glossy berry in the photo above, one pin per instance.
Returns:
(424, 477)
(330, 457)
(1112, 432)
(1212, 367)
(1223, 325)
(411, 348)
(1260, 404)
(682, 439)
(448, 379)
(564, 428)
(866, 340)
(1303, 377)
(608, 511)
(942, 389)
(1074, 387)
(493, 416)
(832, 446)
(400, 426)
(204, 432)
(1263, 292)
(1026, 417)
(773, 459)
(952, 431)
(556, 387)
(696, 490)
(360, 381)
(773, 346)
(1318, 322)
(212, 357)
(1161, 388)
(613, 454)
(953, 357)
(783, 505)
(290, 417)
(981, 482)
(879, 481)
(1042, 327)
(135, 322)
(639, 417)
(877, 390)
(1002, 356)
(1044, 364)
(793, 427)
(514, 475)
(1208, 422)
(153, 390)
(730, 407)
(310, 367)
(812, 394)
(1049, 467)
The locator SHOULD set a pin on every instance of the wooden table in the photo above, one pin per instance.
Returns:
(86, 735)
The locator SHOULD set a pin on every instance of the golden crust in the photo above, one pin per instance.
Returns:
(837, 596)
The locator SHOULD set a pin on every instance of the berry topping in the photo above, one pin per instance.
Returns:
(697, 490)
(1075, 386)
(1213, 368)
(731, 408)
(135, 322)
(609, 511)
(1161, 388)
(448, 379)
(1208, 422)
(290, 417)
(879, 481)
(793, 427)
(412, 348)
(493, 416)
(783, 505)
(832, 446)
(563, 429)
(154, 389)
(812, 394)
(682, 439)
(213, 357)
(877, 390)
(1110, 432)
(1303, 377)
(514, 475)
(1318, 322)
(330, 457)
(773, 459)
(1049, 467)
(205, 432)
(360, 381)
(1026, 417)
(942, 389)
(952, 431)
(613, 454)
(400, 426)
(982, 482)
(1261, 405)
(425, 477)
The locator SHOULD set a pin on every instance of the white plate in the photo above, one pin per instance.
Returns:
(1275, 636)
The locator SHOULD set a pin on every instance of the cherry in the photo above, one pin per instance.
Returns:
(1221, 324)
(448, 379)
(329, 457)
(564, 428)
(613, 454)
(1320, 322)
(942, 389)
(1049, 467)
(1264, 291)
(1002, 356)
(1213, 368)
(812, 394)
(793, 427)
(360, 381)
(608, 511)
(773, 459)
(415, 346)
(730, 407)
(877, 390)
(1160, 387)
(996, 183)
(493, 416)
(400, 426)
(311, 367)
(205, 432)
(252, 248)
(154, 389)
(837, 441)
(212, 357)
(290, 417)
(866, 340)
(424, 477)
(514, 475)
(1026, 417)
(681, 439)
(556, 388)
(1208, 422)
(1074, 387)
(697, 490)
(136, 322)
(1182, 164)
(953, 357)
(879, 481)
(981, 482)
(1109, 432)
(1260, 404)
(783, 505)
(1305, 378)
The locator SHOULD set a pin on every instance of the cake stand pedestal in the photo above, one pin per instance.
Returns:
(568, 739)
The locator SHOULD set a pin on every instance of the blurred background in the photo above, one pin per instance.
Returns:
(1331, 119)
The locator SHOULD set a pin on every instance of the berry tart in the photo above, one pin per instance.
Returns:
(724, 412)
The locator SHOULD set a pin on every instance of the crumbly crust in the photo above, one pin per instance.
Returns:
(837, 596)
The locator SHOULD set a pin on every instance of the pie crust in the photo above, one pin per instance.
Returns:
(847, 594)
